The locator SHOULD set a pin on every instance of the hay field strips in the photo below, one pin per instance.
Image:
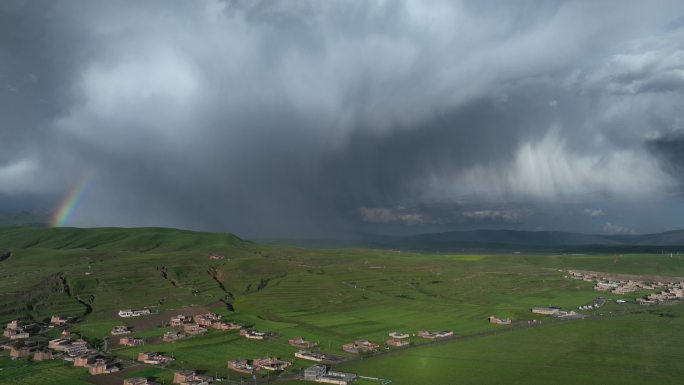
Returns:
(334, 297)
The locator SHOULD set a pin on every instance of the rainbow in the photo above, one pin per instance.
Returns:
(68, 205)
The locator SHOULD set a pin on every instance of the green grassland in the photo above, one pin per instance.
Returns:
(336, 296)
(636, 348)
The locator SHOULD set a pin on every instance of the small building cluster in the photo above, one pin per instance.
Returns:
(18, 330)
(673, 290)
(72, 348)
(671, 294)
(360, 346)
(252, 334)
(256, 364)
(153, 358)
(603, 282)
(120, 330)
(398, 339)
(241, 366)
(300, 342)
(193, 329)
(310, 356)
(435, 335)
(198, 324)
(555, 311)
(131, 341)
(271, 364)
(323, 374)
(15, 331)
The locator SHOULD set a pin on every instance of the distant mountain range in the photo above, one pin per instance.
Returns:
(453, 241)
(32, 218)
(530, 240)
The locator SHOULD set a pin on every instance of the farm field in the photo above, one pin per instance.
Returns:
(335, 297)
(636, 348)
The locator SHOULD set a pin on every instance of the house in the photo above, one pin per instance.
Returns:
(193, 329)
(171, 336)
(189, 377)
(397, 342)
(130, 341)
(42, 355)
(434, 335)
(498, 321)
(222, 325)
(183, 376)
(100, 367)
(153, 358)
(360, 346)
(252, 334)
(21, 352)
(56, 320)
(216, 257)
(84, 361)
(120, 330)
(398, 339)
(546, 310)
(310, 356)
(300, 342)
(178, 320)
(322, 374)
(144, 311)
(76, 348)
(71, 348)
(271, 363)
(125, 313)
(241, 366)
(398, 335)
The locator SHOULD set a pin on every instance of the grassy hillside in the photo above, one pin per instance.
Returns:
(333, 297)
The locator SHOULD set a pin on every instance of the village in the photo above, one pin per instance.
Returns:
(79, 353)
(96, 361)
(669, 290)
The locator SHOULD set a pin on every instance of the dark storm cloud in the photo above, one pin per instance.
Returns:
(317, 117)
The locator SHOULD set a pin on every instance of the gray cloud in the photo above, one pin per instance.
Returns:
(593, 213)
(317, 117)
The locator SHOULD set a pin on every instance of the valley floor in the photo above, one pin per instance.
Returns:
(334, 297)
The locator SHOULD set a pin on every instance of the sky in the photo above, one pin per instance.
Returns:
(331, 118)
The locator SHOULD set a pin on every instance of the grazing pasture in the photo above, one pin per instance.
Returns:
(335, 297)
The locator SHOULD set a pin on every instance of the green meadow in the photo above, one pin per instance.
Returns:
(337, 296)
